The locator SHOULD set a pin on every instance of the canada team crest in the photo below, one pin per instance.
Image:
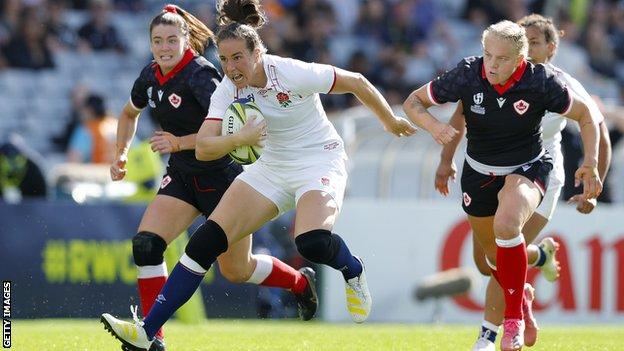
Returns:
(467, 199)
(166, 180)
(175, 100)
(521, 107)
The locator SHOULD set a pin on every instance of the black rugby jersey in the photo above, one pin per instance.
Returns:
(503, 123)
(179, 101)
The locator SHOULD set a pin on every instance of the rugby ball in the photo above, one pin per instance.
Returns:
(235, 117)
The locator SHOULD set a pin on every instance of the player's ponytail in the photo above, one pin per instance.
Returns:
(192, 28)
(239, 19)
(240, 11)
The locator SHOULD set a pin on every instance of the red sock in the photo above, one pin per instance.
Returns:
(272, 272)
(511, 267)
(148, 291)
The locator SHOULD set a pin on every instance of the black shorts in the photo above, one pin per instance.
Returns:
(480, 191)
(200, 190)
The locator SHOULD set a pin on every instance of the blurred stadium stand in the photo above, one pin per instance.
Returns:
(398, 45)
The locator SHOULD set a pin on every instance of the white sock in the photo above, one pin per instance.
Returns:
(145, 272)
(264, 266)
(192, 265)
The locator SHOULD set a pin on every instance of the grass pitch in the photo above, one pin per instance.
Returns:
(233, 335)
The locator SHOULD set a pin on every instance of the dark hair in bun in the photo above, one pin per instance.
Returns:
(239, 19)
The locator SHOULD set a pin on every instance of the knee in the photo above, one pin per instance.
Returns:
(206, 244)
(506, 226)
(317, 245)
(148, 249)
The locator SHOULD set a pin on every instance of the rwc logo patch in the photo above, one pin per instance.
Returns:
(150, 102)
(175, 100)
(521, 107)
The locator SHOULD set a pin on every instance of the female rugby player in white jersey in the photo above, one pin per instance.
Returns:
(176, 87)
(543, 39)
(302, 165)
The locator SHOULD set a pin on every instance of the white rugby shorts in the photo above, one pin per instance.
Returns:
(556, 179)
(285, 183)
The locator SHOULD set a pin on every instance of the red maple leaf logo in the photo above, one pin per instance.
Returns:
(521, 106)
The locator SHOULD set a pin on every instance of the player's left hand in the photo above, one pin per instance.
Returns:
(400, 126)
(444, 172)
(164, 142)
(588, 176)
(583, 205)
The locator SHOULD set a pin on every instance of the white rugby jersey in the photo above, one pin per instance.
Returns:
(297, 126)
(553, 123)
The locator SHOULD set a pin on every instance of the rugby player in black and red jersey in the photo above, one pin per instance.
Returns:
(543, 37)
(507, 169)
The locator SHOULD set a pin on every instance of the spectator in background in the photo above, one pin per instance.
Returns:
(28, 47)
(487, 11)
(77, 99)
(129, 5)
(60, 35)
(372, 22)
(617, 30)
(404, 30)
(601, 55)
(98, 34)
(294, 39)
(94, 139)
(9, 19)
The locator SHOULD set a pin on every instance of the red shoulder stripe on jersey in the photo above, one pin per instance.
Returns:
(431, 95)
(213, 119)
(569, 107)
(189, 55)
(515, 77)
(333, 83)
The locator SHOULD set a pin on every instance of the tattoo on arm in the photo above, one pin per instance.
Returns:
(586, 123)
(417, 105)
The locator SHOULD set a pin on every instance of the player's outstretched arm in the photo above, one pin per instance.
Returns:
(416, 105)
(604, 162)
(211, 145)
(358, 85)
(587, 173)
(126, 128)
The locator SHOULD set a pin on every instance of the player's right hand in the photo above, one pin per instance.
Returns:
(400, 126)
(589, 178)
(443, 173)
(253, 133)
(118, 168)
(443, 133)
